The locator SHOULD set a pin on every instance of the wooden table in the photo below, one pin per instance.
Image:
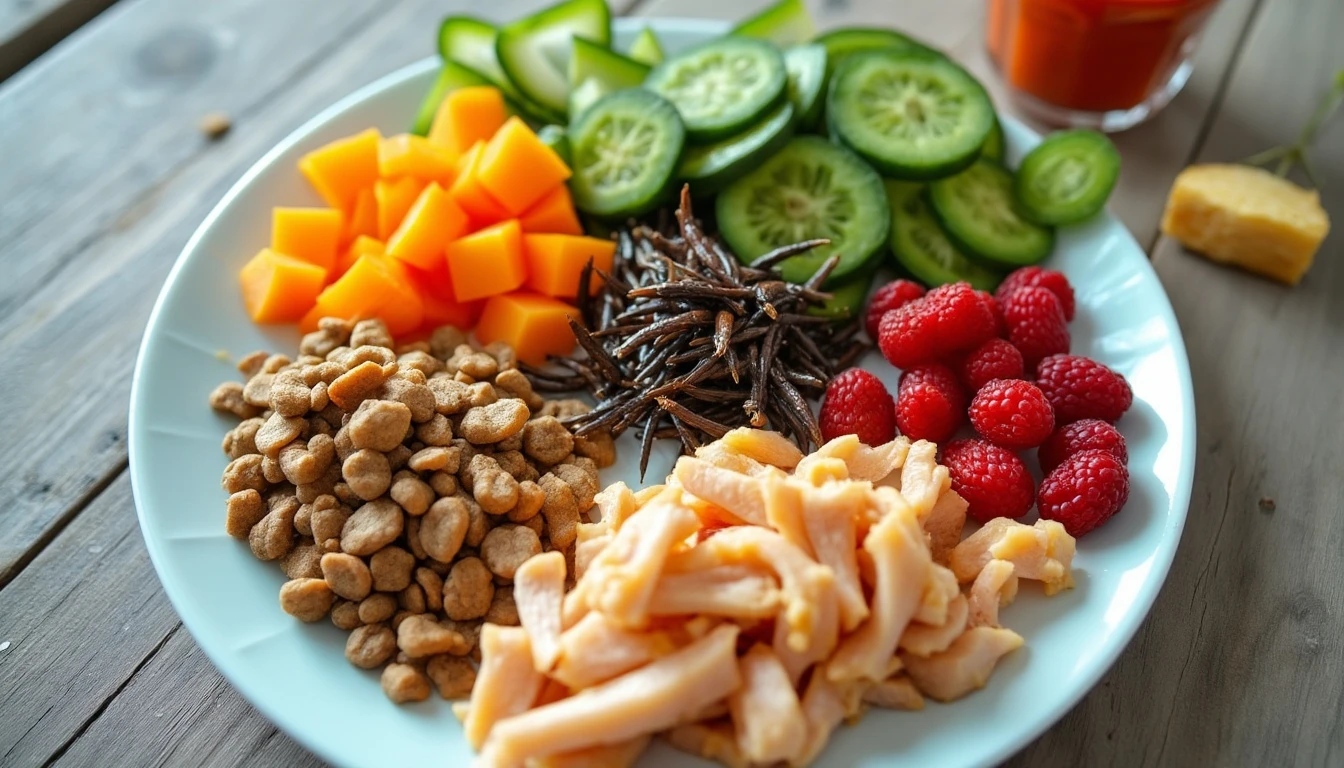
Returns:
(104, 174)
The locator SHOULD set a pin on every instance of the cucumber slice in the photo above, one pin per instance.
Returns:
(810, 188)
(721, 87)
(471, 43)
(625, 149)
(711, 167)
(646, 48)
(787, 22)
(555, 137)
(584, 95)
(806, 67)
(922, 249)
(451, 77)
(1067, 178)
(993, 148)
(846, 300)
(595, 71)
(912, 115)
(840, 44)
(977, 211)
(535, 52)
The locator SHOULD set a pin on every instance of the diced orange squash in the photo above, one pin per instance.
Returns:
(310, 234)
(359, 247)
(441, 306)
(466, 116)
(554, 262)
(517, 168)
(308, 323)
(339, 170)
(487, 262)
(410, 155)
(467, 192)
(374, 286)
(553, 213)
(534, 325)
(431, 224)
(395, 198)
(363, 218)
(278, 288)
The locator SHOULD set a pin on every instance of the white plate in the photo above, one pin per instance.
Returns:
(296, 674)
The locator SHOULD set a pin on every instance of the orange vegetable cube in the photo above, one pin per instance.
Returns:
(339, 170)
(410, 155)
(466, 116)
(363, 219)
(278, 288)
(535, 326)
(487, 262)
(310, 234)
(517, 168)
(554, 262)
(441, 306)
(375, 286)
(395, 199)
(431, 223)
(553, 213)
(467, 192)
(359, 247)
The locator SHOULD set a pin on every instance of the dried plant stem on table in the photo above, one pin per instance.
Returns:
(685, 342)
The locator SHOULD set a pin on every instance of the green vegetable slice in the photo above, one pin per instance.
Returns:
(471, 43)
(595, 71)
(1067, 178)
(840, 44)
(722, 86)
(535, 52)
(912, 115)
(994, 148)
(809, 189)
(922, 248)
(557, 138)
(977, 211)
(711, 167)
(787, 22)
(451, 77)
(646, 48)
(847, 300)
(806, 66)
(625, 148)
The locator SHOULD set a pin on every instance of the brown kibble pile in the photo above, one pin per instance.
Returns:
(400, 489)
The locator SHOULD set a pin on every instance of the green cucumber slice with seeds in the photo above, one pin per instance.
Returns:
(977, 210)
(709, 168)
(1067, 178)
(994, 147)
(806, 67)
(922, 248)
(595, 71)
(721, 87)
(913, 116)
(646, 48)
(787, 22)
(471, 43)
(625, 150)
(535, 52)
(557, 138)
(451, 77)
(840, 44)
(811, 188)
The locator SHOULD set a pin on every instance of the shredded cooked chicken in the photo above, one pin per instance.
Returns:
(750, 606)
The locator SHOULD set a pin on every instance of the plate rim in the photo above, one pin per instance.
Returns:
(1125, 629)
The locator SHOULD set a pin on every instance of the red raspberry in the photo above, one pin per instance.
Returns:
(995, 309)
(1036, 323)
(857, 403)
(930, 403)
(895, 294)
(1012, 413)
(962, 320)
(1085, 435)
(1081, 388)
(992, 480)
(1084, 491)
(1036, 277)
(995, 359)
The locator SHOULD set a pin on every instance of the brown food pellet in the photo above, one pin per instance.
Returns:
(412, 599)
(228, 398)
(257, 390)
(397, 457)
(370, 646)
(416, 396)
(445, 340)
(372, 527)
(243, 473)
(438, 431)
(215, 125)
(404, 683)
(345, 615)
(453, 676)
(270, 469)
(273, 536)
(507, 547)
(306, 599)
(277, 432)
(290, 395)
(391, 568)
(530, 498)
(444, 527)
(347, 575)
(468, 590)
(302, 562)
(368, 473)
(478, 523)
(372, 332)
(356, 385)
(546, 440)
(493, 488)
(379, 425)
(242, 439)
(432, 586)
(503, 610)
(443, 483)
(377, 607)
(420, 635)
(243, 510)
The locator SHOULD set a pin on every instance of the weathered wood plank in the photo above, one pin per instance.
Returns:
(29, 28)
(1242, 660)
(1153, 153)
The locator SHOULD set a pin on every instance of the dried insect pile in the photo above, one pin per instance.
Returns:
(686, 342)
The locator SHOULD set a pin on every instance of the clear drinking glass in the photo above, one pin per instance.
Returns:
(1105, 64)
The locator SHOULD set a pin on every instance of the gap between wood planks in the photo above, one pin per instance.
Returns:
(30, 29)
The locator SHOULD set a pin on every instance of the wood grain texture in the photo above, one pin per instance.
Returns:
(1241, 661)
(29, 28)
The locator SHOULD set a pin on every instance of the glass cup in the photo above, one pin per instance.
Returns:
(1104, 64)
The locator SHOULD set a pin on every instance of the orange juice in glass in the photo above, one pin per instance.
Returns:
(1107, 64)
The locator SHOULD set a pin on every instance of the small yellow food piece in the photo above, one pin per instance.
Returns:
(1247, 217)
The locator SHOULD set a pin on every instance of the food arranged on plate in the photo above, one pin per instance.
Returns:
(536, 235)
